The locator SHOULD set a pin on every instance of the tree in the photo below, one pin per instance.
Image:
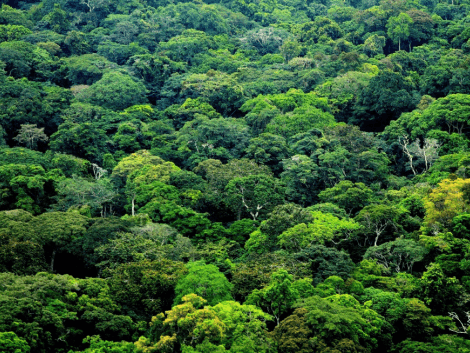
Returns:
(290, 50)
(258, 194)
(56, 230)
(462, 327)
(324, 262)
(268, 149)
(293, 334)
(277, 297)
(11, 343)
(129, 248)
(386, 96)
(398, 255)
(280, 219)
(97, 345)
(379, 220)
(145, 287)
(227, 326)
(188, 111)
(41, 309)
(246, 327)
(114, 91)
(374, 45)
(450, 112)
(204, 138)
(85, 69)
(187, 324)
(86, 140)
(438, 291)
(206, 281)
(301, 119)
(301, 178)
(429, 151)
(341, 317)
(19, 252)
(76, 193)
(348, 195)
(325, 228)
(398, 28)
(447, 200)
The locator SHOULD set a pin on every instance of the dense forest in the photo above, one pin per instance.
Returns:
(268, 176)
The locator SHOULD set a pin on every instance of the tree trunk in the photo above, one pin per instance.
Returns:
(52, 259)
(399, 44)
(133, 206)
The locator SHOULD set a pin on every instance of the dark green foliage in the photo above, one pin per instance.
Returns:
(324, 262)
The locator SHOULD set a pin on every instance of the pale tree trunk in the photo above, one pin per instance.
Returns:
(133, 205)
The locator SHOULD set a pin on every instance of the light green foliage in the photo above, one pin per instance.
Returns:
(205, 281)
(325, 228)
(379, 221)
(79, 193)
(347, 195)
(97, 345)
(10, 343)
(227, 325)
(24, 186)
(13, 32)
(398, 28)
(114, 91)
(245, 327)
(280, 219)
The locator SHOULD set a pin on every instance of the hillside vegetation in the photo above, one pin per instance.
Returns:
(269, 176)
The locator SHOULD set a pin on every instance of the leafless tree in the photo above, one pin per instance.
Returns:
(462, 327)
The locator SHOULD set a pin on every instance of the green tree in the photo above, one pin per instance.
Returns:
(11, 343)
(386, 96)
(145, 287)
(277, 297)
(324, 262)
(350, 196)
(97, 345)
(398, 28)
(378, 222)
(56, 230)
(206, 281)
(398, 255)
(268, 149)
(341, 317)
(257, 194)
(438, 291)
(325, 228)
(114, 91)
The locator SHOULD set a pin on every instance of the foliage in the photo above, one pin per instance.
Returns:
(309, 159)
(206, 281)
